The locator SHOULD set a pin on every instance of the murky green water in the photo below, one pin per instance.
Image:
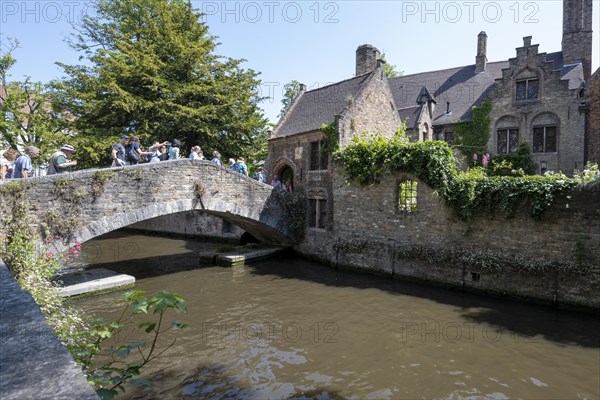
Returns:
(291, 328)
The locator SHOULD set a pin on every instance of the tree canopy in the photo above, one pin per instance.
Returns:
(27, 113)
(391, 71)
(151, 70)
(290, 91)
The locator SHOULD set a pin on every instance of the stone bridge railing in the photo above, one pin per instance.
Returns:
(85, 204)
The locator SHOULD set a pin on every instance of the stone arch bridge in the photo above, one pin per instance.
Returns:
(82, 205)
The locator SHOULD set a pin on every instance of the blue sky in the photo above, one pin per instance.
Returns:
(314, 42)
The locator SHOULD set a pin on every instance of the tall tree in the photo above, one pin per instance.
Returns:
(290, 91)
(391, 71)
(27, 113)
(153, 71)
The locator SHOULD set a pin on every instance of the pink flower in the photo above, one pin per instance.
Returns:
(474, 156)
(485, 159)
(50, 255)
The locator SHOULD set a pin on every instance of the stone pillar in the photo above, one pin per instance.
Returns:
(481, 59)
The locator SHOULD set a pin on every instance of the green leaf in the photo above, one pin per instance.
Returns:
(106, 394)
(178, 325)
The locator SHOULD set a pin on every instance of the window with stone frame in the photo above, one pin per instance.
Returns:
(449, 137)
(544, 139)
(317, 213)
(319, 158)
(407, 196)
(444, 136)
(527, 89)
(508, 140)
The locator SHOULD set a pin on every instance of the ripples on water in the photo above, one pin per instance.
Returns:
(291, 328)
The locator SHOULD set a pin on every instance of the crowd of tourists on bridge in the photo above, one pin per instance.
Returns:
(17, 165)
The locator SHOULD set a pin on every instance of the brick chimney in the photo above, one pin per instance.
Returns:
(366, 58)
(481, 59)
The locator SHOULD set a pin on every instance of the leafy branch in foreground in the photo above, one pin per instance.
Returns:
(112, 375)
(35, 268)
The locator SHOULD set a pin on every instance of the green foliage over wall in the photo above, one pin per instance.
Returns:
(366, 160)
(519, 160)
(331, 142)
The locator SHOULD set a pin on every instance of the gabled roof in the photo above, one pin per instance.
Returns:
(461, 86)
(425, 96)
(410, 115)
(317, 107)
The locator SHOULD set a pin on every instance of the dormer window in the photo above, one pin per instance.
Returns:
(528, 89)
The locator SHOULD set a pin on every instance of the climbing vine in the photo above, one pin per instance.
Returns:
(365, 161)
(331, 142)
(294, 207)
(472, 136)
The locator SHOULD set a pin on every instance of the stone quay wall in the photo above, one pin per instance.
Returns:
(368, 232)
(34, 364)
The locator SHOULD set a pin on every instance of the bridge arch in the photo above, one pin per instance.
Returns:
(101, 201)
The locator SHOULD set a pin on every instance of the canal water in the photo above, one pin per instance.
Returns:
(292, 328)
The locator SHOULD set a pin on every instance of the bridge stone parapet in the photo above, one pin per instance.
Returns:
(82, 205)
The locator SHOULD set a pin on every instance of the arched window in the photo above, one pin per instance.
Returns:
(545, 133)
(507, 134)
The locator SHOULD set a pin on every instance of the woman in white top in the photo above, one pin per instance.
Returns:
(196, 153)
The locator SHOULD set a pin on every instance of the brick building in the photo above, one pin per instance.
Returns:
(539, 98)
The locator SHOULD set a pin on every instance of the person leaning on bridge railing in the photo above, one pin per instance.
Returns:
(174, 150)
(59, 162)
(118, 152)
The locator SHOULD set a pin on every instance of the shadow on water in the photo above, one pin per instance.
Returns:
(522, 319)
(216, 382)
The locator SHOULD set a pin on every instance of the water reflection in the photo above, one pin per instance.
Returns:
(290, 328)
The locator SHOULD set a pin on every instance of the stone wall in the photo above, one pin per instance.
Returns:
(368, 232)
(192, 224)
(33, 362)
(593, 143)
(372, 110)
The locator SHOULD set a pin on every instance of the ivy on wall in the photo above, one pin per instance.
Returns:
(366, 159)
(472, 136)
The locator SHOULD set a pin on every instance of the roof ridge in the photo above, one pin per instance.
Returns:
(338, 83)
(444, 69)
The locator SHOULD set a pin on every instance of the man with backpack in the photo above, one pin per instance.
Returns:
(134, 153)
(59, 162)
(242, 167)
